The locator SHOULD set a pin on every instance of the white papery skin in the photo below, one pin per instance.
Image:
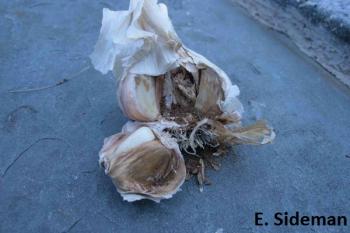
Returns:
(141, 40)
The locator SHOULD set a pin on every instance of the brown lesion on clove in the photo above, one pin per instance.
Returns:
(131, 171)
(186, 99)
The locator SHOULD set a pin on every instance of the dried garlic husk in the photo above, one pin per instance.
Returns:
(141, 166)
(183, 106)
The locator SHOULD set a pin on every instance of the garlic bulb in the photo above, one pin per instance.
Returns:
(185, 109)
(141, 166)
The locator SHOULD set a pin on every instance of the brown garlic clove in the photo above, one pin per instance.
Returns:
(141, 167)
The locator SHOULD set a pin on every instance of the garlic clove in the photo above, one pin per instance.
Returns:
(141, 167)
(210, 93)
(216, 91)
(150, 169)
(138, 98)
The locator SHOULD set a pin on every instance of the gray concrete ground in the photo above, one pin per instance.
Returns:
(333, 14)
(319, 28)
(50, 138)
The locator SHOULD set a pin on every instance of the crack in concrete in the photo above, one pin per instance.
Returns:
(74, 224)
(27, 149)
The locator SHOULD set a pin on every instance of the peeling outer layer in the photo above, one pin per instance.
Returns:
(142, 42)
(141, 166)
(259, 133)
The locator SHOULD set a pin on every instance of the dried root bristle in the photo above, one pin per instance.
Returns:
(201, 148)
(203, 143)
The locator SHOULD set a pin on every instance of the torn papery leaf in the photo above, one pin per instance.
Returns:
(141, 40)
(187, 103)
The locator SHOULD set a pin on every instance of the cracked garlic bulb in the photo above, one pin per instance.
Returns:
(185, 109)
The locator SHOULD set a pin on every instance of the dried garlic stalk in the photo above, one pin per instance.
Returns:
(184, 107)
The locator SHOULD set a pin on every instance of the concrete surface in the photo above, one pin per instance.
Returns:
(318, 30)
(333, 14)
(50, 138)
